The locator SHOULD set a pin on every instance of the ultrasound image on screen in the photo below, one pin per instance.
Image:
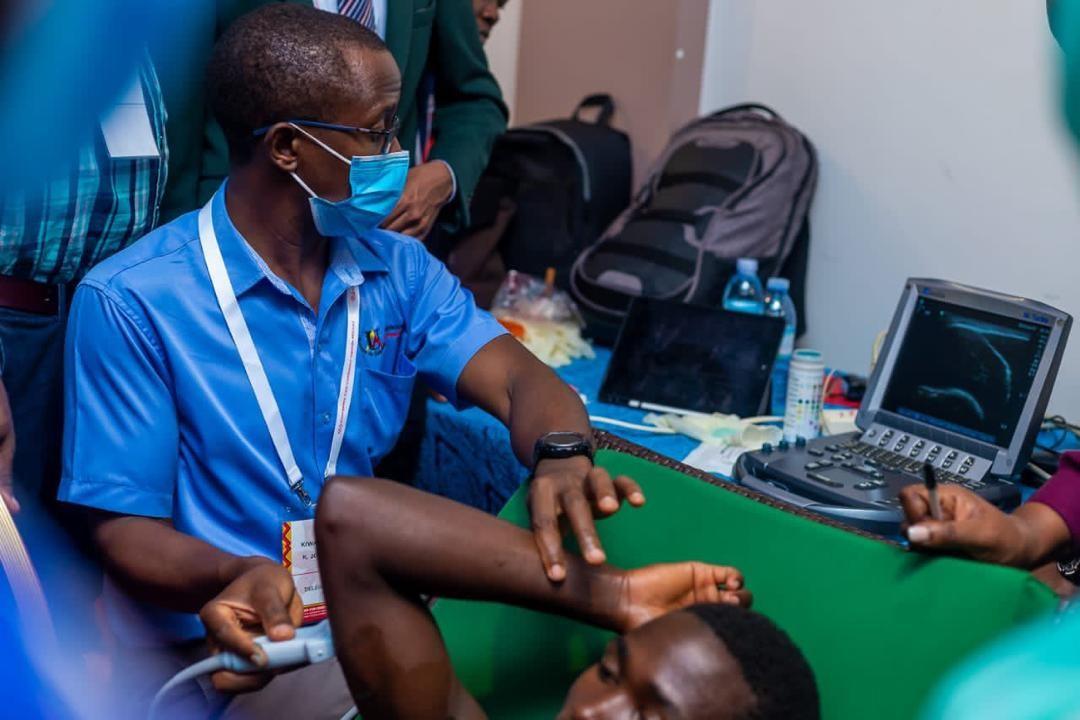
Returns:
(693, 358)
(965, 370)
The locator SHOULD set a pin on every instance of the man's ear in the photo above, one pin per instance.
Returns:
(281, 142)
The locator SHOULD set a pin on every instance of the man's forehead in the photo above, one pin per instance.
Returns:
(374, 90)
(686, 661)
(372, 68)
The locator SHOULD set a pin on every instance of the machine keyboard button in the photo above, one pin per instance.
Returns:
(818, 477)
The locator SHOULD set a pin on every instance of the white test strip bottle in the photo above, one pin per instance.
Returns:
(802, 412)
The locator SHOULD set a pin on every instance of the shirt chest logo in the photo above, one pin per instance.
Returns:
(374, 343)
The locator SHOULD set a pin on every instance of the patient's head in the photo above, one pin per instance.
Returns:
(708, 662)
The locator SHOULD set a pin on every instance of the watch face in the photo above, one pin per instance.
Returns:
(563, 439)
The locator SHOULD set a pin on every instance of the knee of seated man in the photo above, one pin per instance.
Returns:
(345, 510)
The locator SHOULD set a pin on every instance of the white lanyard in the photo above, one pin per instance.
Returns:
(234, 319)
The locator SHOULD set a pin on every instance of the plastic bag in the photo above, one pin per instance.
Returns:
(524, 297)
(542, 317)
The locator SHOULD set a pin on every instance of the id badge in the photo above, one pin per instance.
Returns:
(301, 558)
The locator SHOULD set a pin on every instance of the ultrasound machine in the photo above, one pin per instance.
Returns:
(962, 384)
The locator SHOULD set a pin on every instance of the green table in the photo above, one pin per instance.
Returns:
(879, 625)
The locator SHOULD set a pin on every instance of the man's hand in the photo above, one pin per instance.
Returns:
(261, 601)
(656, 590)
(969, 525)
(575, 490)
(7, 452)
(427, 189)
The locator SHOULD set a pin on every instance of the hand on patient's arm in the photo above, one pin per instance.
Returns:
(510, 383)
(576, 490)
(1032, 535)
(7, 452)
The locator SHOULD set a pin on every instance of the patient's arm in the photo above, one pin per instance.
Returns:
(382, 544)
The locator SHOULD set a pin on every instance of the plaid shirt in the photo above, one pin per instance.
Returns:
(57, 233)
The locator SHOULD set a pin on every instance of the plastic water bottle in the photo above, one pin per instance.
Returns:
(743, 292)
(778, 304)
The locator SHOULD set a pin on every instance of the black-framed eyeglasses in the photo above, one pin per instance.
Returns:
(387, 134)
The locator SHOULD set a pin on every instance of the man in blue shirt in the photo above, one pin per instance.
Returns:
(220, 368)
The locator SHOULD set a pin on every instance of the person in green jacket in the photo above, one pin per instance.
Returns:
(437, 36)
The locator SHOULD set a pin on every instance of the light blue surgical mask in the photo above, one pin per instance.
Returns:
(375, 186)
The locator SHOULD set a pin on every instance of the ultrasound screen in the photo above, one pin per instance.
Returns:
(966, 371)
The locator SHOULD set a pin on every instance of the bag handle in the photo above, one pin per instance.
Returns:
(601, 100)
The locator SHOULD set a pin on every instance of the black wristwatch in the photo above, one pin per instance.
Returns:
(1070, 570)
(561, 445)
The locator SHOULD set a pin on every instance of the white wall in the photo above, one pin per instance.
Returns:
(940, 147)
(502, 51)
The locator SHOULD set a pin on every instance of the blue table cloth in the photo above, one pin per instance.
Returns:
(466, 455)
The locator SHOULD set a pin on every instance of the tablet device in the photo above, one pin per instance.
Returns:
(674, 357)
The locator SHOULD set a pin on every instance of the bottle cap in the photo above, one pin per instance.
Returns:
(746, 266)
(778, 283)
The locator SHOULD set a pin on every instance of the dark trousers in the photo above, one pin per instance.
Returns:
(32, 368)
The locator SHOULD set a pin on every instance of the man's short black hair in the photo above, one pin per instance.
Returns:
(772, 664)
(281, 62)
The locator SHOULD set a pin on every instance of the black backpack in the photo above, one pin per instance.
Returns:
(568, 179)
(737, 183)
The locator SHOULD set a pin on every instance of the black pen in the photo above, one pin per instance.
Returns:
(930, 478)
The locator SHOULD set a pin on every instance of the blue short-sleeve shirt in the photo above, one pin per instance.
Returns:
(161, 420)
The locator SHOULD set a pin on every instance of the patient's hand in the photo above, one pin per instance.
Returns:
(655, 590)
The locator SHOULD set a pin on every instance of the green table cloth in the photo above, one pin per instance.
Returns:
(879, 625)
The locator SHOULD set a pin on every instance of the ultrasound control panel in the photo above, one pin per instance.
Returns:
(858, 476)
(962, 385)
(910, 452)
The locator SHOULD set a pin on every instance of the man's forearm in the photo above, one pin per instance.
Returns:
(540, 403)
(157, 564)
(523, 393)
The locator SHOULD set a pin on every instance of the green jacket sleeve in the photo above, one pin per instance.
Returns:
(469, 109)
(198, 155)
(181, 67)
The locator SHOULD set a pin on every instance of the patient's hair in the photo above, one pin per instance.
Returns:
(281, 62)
(772, 664)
